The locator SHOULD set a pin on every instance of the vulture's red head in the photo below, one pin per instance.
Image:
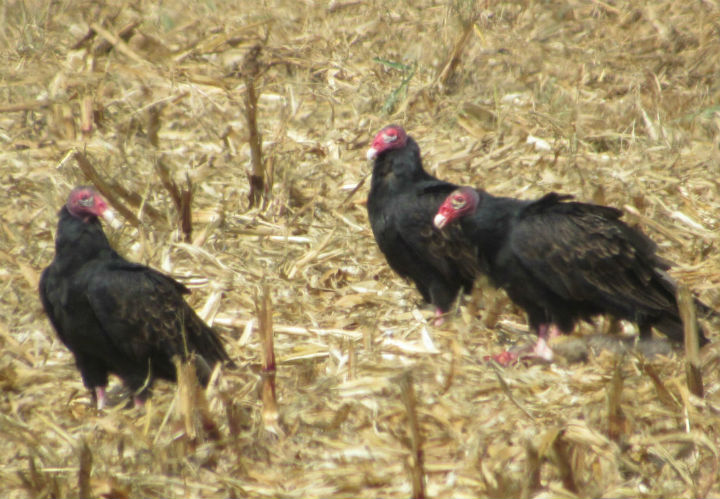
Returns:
(390, 137)
(87, 204)
(459, 203)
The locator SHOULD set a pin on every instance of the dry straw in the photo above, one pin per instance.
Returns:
(613, 102)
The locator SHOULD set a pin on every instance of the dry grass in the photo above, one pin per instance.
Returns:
(615, 102)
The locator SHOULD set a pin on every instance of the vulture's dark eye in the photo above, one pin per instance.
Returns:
(86, 200)
(457, 202)
(387, 138)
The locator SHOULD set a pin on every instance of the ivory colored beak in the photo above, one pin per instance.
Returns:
(372, 152)
(110, 217)
(439, 221)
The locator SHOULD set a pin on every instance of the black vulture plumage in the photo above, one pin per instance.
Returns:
(401, 204)
(565, 261)
(118, 317)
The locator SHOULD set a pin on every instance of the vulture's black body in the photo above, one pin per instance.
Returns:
(565, 261)
(401, 204)
(120, 317)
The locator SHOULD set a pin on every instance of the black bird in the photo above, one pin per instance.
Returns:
(564, 261)
(401, 204)
(115, 316)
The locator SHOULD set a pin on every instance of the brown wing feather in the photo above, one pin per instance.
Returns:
(584, 252)
(144, 313)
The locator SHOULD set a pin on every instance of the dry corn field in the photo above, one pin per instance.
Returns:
(615, 102)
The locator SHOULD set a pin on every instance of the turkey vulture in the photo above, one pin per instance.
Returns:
(564, 261)
(117, 316)
(401, 204)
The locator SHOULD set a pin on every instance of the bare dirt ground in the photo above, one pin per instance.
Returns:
(616, 102)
